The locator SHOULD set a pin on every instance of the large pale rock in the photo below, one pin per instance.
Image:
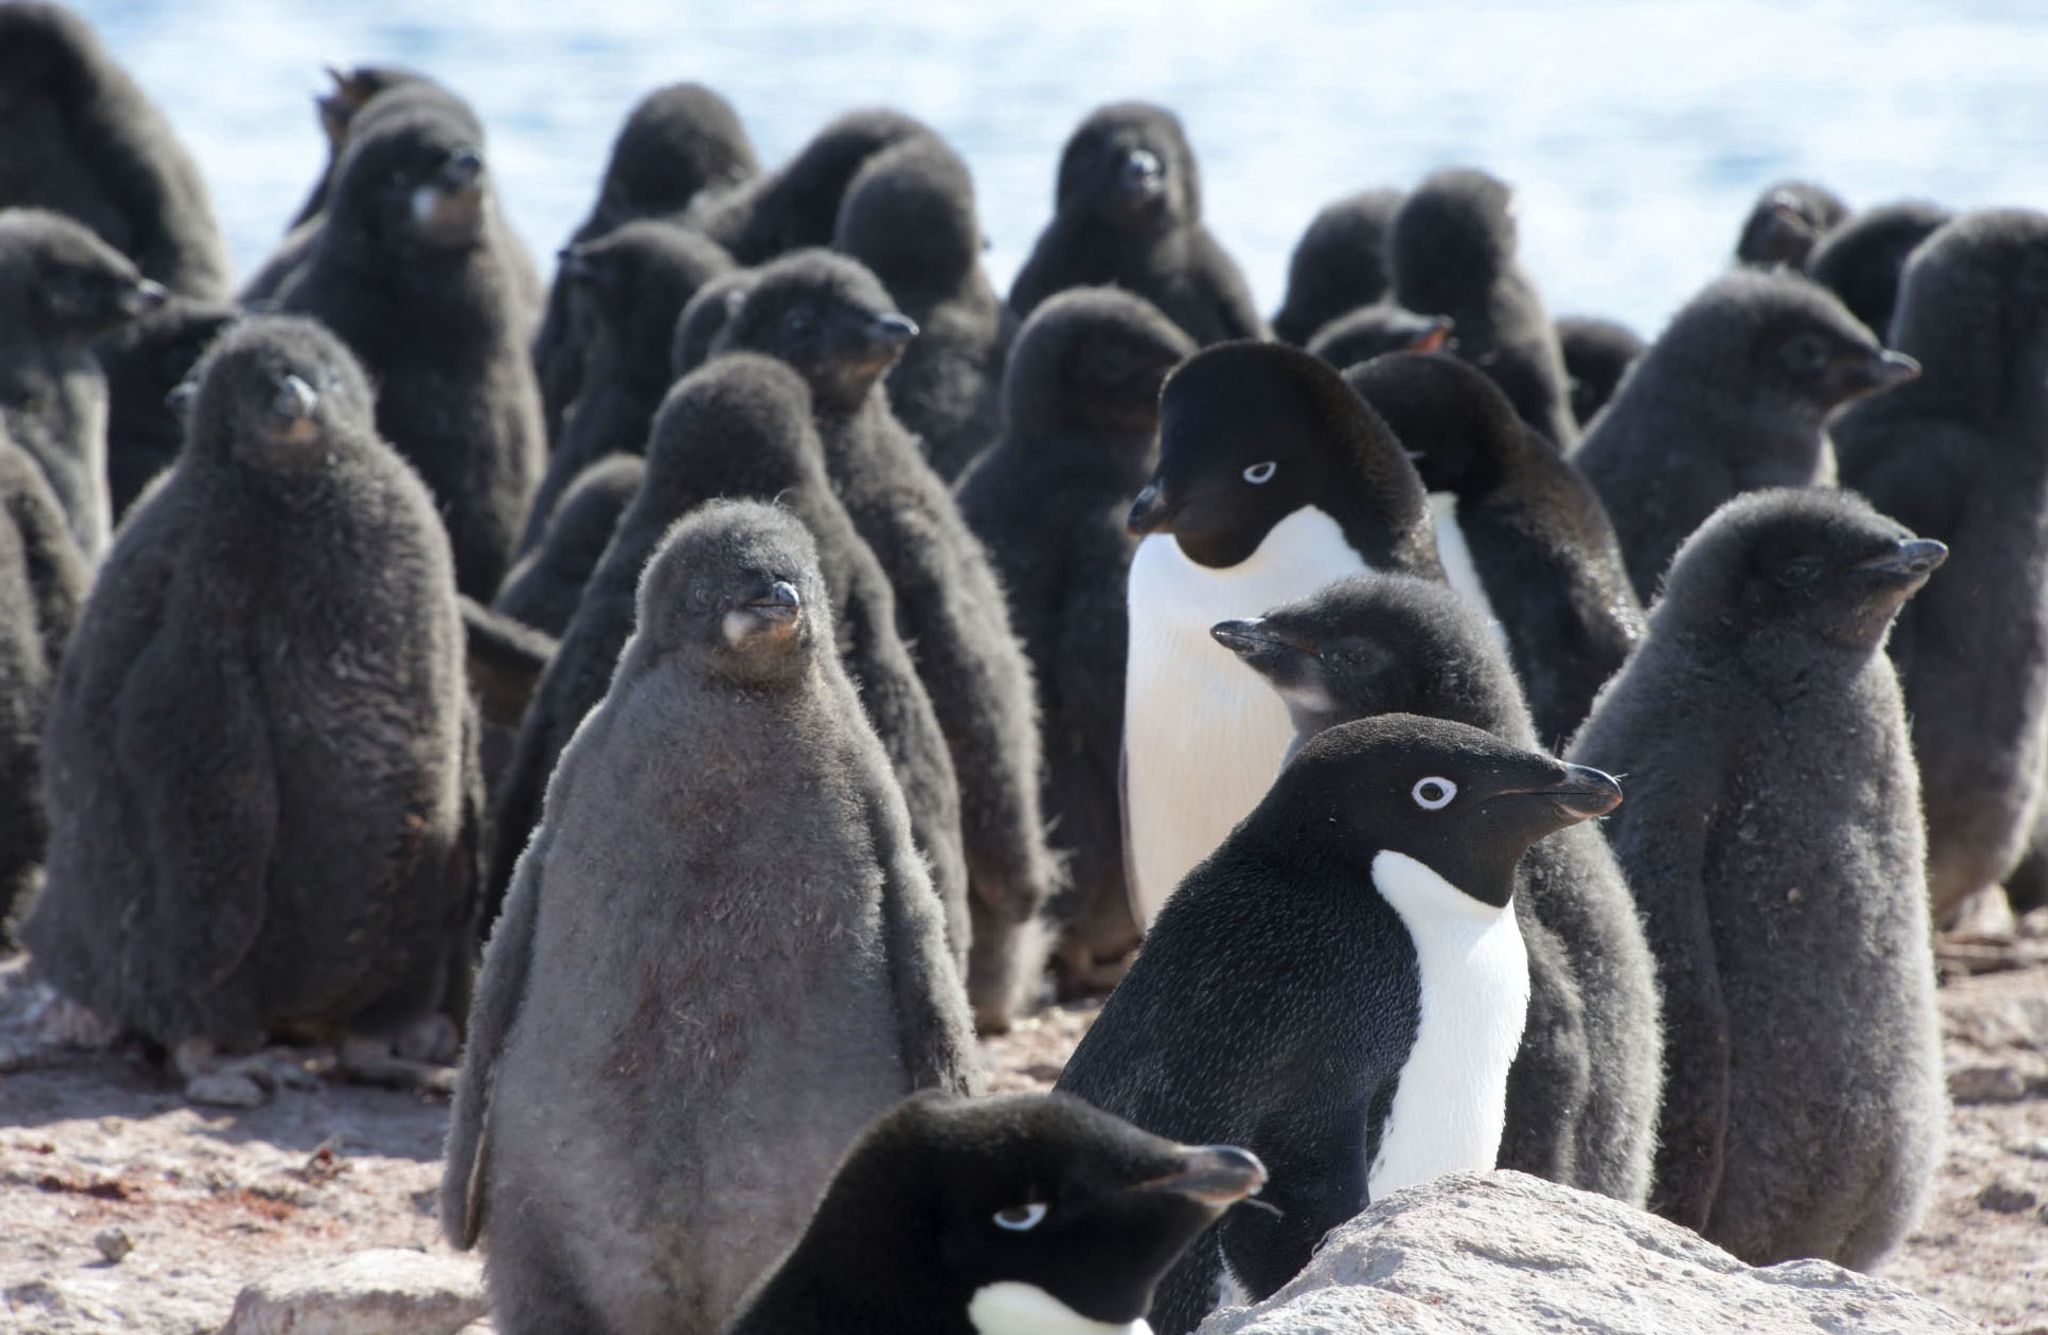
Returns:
(1509, 1254)
(390, 1292)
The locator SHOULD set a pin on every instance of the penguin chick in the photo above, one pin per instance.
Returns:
(1597, 353)
(1522, 536)
(909, 217)
(544, 586)
(1028, 1212)
(265, 689)
(1274, 479)
(60, 288)
(1773, 841)
(1957, 457)
(830, 319)
(1370, 893)
(1452, 251)
(1582, 1095)
(1861, 260)
(629, 287)
(1128, 213)
(85, 141)
(336, 110)
(148, 364)
(1339, 265)
(1788, 220)
(703, 319)
(415, 273)
(1734, 396)
(1049, 500)
(720, 959)
(1371, 331)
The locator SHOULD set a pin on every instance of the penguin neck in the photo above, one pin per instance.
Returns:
(1014, 1308)
(1304, 551)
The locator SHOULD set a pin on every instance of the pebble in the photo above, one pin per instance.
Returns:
(2007, 1197)
(114, 1243)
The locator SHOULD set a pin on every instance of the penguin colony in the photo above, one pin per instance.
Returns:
(676, 706)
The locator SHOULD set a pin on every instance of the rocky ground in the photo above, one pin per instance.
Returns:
(124, 1208)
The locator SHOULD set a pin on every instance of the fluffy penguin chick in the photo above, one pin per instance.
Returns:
(265, 692)
(60, 288)
(1028, 1214)
(1081, 408)
(720, 959)
(1862, 260)
(1788, 220)
(1597, 353)
(829, 319)
(149, 367)
(1339, 264)
(1370, 893)
(1452, 251)
(1733, 396)
(543, 587)
(1957, 455)
(1582, 1094)
(1522, 535)
(1128, 214)
(83, 140)
(1773, 841)
(1274, 479)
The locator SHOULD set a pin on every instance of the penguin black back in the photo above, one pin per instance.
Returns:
(1339, 264)
(1861, 260)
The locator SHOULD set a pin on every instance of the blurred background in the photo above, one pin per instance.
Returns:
(1637, 134)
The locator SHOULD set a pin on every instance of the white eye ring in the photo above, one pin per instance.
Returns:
(1433, 794)
(1260, 474)
(1020, 1218)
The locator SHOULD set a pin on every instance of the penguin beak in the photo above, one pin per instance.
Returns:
(1152, 511)
(1435, 338)
(1911, 561)
(773, 613)
(1582, 794)
(294, 401)
(780, 603)
(1141, 178)
(143, 298)
(1854, 376)
(1217, 1176)
(1259, 643)
(890, 333)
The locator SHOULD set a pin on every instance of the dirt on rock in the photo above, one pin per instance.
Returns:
(125, 1208)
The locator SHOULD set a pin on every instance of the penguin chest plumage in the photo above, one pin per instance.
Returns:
(1203, 733)
(1015, 1308)
(1456, 554)
(1473, 974)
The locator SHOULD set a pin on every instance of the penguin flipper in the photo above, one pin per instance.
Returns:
(935, 1035)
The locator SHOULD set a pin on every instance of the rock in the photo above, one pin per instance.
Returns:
(114, 1243)
(1510, 1254)
(1993, 1082)
(370, 1293)
(2008, 1197)
(225, 1091)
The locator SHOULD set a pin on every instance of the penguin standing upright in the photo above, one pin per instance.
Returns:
(543, 587)
(1862, 260)
(1022, 1213)
(1339, 988)
(1582, 1094)
(1787, 221)
(1522, 536)
(1339, 264)
(1274, 479)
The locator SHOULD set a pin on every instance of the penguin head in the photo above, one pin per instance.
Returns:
(1788, 219)
(1459, 429)
(1129, 165)
(412, 179)
(740, 425)
(353, 89)
(279, 394)
(634, 281)
(1339, 265)
(1251, 432)
(1372, 644)
(1375, 330)
(1008, 1209)
(677, 141)
(909, 217)
(811, 187)
(1780, 343)
(704, 317)
(826, 316)
(1455, 799)
(1861, 260)
(1093, 358)
(1973, 304)
(1800, 566)
(46, 53)
(1450, 239)
(734, 589)
(60, 283)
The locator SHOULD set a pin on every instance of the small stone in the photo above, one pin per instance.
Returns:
(2007, 1197)
(114, 1243)
(2037, 1148)
(1987, 1083)
(225, 1091)
(364, 1294)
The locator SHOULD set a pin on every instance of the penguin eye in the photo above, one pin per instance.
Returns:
(1020, 1218)
(1799, 574)
(1260, 474)
(1433, 794)
(1805, 352)
(797, 323)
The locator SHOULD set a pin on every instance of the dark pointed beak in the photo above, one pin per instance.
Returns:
(1213, 1175)
(1435, 338)
(1913, 558)
(1582, 794)
(295, 400)
(143, 298)
(1858, 374)
(461, 170)
(1257, 641)
(781, 602)
(1151, 512)
(891, 332)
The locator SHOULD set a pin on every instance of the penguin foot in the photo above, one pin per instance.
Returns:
(373, 1061)
(238, 1082)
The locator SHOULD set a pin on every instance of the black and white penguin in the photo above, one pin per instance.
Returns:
(1521, 535)
(1027, 1214)
(1370, 895)
(1274, 479)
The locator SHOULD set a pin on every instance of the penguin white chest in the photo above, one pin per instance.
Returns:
(1203, 733)
(1456, 554)
(1014, 1308)
(1451, 1101)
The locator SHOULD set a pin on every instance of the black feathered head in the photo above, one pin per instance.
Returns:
(1129, 165)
